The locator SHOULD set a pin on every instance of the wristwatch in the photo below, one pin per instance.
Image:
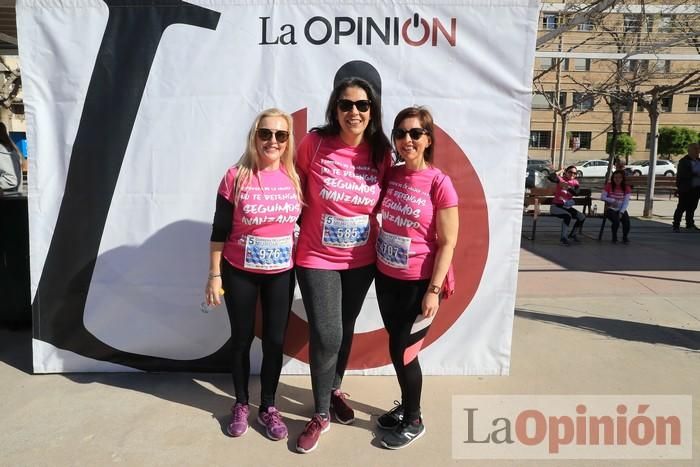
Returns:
(434, 289)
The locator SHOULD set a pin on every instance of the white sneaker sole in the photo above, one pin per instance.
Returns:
(394, 448)
(305, 451)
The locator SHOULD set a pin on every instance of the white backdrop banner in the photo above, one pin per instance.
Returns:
(136, 109)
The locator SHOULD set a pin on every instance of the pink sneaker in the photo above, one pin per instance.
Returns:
(274, 426)
(239, 420)
(308, 439)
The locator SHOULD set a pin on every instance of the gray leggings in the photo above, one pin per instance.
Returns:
(333, 300)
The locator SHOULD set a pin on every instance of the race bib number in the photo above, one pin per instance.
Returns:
(268, 253)
(345, 232)
(392, 250)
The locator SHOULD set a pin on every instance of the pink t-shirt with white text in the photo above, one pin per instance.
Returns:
(561, 193)
(261, 238)
(618, 195)
(407, 242)
(341, 191)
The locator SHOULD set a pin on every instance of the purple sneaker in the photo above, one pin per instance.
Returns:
(239, 420)
(274, 426)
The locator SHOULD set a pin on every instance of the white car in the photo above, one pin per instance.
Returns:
(663, 167)
(592, 168)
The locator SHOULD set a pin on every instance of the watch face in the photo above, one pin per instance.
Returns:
(434, 289)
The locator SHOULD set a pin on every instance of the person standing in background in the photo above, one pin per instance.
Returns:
(10, 162)
(688, 185)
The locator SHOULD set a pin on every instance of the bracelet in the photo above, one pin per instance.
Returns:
(211, 276)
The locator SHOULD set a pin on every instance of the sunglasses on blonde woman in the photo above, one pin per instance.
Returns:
(414, 133)
(266, 134)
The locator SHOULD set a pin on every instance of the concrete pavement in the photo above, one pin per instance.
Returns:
(593, 318)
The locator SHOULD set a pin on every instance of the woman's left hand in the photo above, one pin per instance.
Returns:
(430, 305)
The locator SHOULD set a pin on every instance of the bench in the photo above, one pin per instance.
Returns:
(661, 184)
(538, 197)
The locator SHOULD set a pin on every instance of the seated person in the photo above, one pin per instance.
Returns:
(563, 203)
(616, 195)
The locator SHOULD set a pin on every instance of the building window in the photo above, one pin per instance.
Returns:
(660, 66)
(587, 25)
(666, 103)
(694, 103)
(582, 64)
(546, 63)
(543, 100)
(539, 101)
(550, 20)
(666, 23)
(580, 140)
(635, 23)
(540, 139)
(635, 65)
(648, 142)
(627, 106)
(583, 101)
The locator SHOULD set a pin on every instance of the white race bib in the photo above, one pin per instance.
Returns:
(268, 253)
(392, 250)
(345, 232)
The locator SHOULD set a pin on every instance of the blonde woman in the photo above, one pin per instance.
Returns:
(258, 203)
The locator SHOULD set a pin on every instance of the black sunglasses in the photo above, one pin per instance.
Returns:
(414, 133)
(266, 134)
(346, 105)
(571, 172)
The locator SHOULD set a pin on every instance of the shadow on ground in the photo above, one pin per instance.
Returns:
(209, 392)
(620, 329)
(653, 247)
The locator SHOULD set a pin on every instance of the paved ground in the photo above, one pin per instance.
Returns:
(594, 318)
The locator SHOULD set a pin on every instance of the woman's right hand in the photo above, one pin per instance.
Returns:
(213, 291)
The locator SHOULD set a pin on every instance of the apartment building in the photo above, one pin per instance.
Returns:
(595, 54)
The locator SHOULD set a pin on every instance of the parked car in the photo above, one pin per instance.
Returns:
(663, 167)
(591, 168)
(543, 166)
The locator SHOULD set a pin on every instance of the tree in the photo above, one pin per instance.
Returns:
(625, 145)
(675, 140)
(640, 42)
(10, 85)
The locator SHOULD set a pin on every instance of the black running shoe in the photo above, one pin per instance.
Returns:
(404, 434)
(392, 418)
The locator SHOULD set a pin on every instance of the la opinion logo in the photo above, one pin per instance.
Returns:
(319, 30)
(371, 349)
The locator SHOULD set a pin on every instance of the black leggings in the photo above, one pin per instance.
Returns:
(332, 300)
(241, 299)
(400, 303)
(616, 219)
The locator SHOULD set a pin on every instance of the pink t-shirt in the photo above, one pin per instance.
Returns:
(341, 190)
(561, 194)
(617, 195)
(261, 238)
(407, 242)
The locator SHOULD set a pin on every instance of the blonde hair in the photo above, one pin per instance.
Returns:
(249, 163)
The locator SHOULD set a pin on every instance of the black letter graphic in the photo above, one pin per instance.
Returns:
(124, 60)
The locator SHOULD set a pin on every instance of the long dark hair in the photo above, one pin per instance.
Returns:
(374, 133)
(5, 139)
(623, 183)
